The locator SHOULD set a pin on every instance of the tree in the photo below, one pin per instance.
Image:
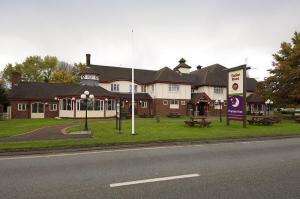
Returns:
(3, 93)
(284, 80)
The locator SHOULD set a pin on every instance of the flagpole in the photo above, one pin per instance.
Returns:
(132, 87)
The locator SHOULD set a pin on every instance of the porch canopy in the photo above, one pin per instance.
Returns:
(199, 97)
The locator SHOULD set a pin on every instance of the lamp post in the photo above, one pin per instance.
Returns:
(268, 102)
(86, 95)
(220, 100)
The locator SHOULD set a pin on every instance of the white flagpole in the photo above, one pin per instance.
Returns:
(132, 88)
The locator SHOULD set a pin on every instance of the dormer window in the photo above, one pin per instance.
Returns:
(114, 87)
(90, 76)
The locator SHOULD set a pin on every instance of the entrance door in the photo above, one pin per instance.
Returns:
(201, 108)
(37, 110)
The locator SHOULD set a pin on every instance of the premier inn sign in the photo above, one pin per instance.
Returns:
(236, 94)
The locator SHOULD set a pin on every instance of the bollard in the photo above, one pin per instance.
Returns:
(157, 117)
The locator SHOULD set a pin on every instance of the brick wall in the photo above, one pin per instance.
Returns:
(51, 114)
(15, 114)
(161, 109)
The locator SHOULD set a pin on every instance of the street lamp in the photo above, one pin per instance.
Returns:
(86, 95)
(220, 100)
(268, 104)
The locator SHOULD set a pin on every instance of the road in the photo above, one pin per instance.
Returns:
(258, 169)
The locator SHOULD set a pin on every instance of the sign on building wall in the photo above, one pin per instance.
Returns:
(236, 94)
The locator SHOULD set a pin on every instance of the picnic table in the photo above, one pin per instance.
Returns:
(201, 121)
(263, 120)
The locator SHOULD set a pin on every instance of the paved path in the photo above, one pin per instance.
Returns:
(47, 133)
(247, 170)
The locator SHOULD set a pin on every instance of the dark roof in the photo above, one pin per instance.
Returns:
(215, 75)
(43, 91)
(255, 98)
(111, 73)
(199, 97)
(182, 64)
(137, 96)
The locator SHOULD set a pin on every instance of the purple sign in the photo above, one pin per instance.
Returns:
(235, 107)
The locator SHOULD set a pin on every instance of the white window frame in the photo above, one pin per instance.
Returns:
(143, 88)
(173, 88)
(113, 105)
(174, 102)
(114, 87)
(182, 103)
(51, 107)
(218, 90)
(165, 102)
(144, 104)
(135, 88)
(22, 106)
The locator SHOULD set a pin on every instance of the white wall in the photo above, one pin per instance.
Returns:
(161, 91)
(81, 114)
(123, 86)
(64, 113)
(209, 90)
(184, 70)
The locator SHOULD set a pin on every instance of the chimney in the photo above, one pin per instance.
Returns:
(88, 59)
(15, 78)
(199, 67)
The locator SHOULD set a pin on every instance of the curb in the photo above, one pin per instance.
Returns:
(142, 145)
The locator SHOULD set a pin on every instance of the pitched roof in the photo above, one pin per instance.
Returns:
(182, 64)
(255, 98)
(199, 97)
(142, 76)
(215, 75)
(43, 91)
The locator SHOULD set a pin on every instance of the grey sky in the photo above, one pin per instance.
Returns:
(204, 32)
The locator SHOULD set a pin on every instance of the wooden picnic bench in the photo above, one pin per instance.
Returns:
(201, 121)
(263, 120)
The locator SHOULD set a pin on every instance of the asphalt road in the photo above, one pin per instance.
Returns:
(259, 169)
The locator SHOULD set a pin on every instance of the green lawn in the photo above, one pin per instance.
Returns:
(18, 126)
(149, 131)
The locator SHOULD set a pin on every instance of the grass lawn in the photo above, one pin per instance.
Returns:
(18, 126)
(149, 131)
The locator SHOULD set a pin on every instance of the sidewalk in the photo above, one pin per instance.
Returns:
(47, 133)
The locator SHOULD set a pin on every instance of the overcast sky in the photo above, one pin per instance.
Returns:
(203, 32)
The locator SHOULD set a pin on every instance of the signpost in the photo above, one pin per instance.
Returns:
(236, 94)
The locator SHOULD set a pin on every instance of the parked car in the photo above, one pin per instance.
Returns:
(287, 110)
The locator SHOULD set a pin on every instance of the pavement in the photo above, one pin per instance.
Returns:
(248, 169)
(46, 133)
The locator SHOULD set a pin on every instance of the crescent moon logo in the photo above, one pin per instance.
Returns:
(237, 102)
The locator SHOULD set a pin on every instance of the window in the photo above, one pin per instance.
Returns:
(144, 104)
(22, 107)
(144, 88)
(52, 107)
(218, 90)
(165, 102)
(135, 88)
(183, 103)
(95, 105)
(111, 105)
(114, 87)
(152, 88)
(37, 108)
(66, 104)
(174, 102)
(173, 87)
(98, 105)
